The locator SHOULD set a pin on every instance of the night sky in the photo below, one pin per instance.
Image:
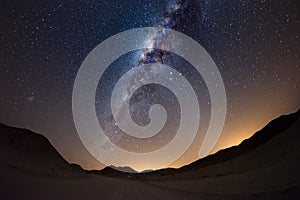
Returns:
(255, 45)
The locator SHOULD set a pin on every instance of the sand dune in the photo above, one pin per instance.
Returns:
(266, 166)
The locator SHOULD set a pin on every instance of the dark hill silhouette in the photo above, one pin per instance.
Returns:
(265, 166)
(22, 149)
(113, 170)
(272, 130)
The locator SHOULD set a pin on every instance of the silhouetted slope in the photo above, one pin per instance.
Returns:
(113, 169)
(24, 150)
(272, 130)
(265, 166)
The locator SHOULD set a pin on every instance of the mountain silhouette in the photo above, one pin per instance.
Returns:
(265, 166)
(22, 149)
(276, 128)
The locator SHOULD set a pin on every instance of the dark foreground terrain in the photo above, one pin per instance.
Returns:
(265, 166)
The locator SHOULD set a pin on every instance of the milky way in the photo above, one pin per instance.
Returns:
(144, 97)
(255, 44)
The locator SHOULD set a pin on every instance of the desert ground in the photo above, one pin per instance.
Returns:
(266, 166)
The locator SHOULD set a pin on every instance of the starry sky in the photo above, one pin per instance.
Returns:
(255, 45)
